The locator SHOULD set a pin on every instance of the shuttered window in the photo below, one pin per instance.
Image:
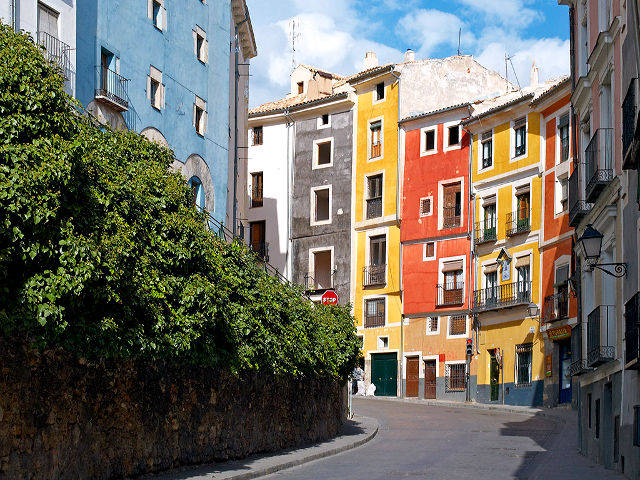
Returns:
(47, 20)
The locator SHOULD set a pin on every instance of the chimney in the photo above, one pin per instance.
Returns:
(535, 75)
(410, 55)
(370, 60)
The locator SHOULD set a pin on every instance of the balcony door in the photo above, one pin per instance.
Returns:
(257, 234)
(491, 284)
(524, 286)
(523, 204)
(377, 260)
(451, 211)
(322, 271)
(47, 21)
(490, 220)
(453, 282)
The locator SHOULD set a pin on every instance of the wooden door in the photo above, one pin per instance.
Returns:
(257, 234)
(430, 379)
(384, 374)
(494, 377)
(413, 376)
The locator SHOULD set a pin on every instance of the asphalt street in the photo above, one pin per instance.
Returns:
(435, 442)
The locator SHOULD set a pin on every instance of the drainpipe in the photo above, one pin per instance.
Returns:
(14, 20)
(398, 210)
(235, 125)
(290, 125)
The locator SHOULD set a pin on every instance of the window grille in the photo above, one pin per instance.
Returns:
(524, 354)
(425, 206)
(455, 377)
(458, 325)
(432, 324)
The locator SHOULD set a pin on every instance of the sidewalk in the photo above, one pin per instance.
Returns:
(354, 433)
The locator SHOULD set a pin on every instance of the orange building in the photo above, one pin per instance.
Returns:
(559, 307)
(435, 242)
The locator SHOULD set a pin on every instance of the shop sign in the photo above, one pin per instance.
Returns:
(559, 333)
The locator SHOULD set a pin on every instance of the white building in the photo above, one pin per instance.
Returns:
(52, 23)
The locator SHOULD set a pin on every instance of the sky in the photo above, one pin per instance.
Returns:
(336, 34)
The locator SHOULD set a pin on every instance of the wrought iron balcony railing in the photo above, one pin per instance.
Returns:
(373, 320)
(601, 335)
(374, 275)
(578, 362)
(578, 207)
(451, 217)
(555, 307)
(319, 280)
(517, 223)
(112, 88)
(578, 368)
(632, 330)
(256, 197)
(56, 51)
(502, 296)
(599, 163)
(486, 232)
(450, 294)
(374, 207)
(376, 150)
(261, 249)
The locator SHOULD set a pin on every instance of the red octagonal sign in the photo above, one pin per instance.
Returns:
(330, 297)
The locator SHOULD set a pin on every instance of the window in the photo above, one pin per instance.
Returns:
(429, 251)
(376, 139)
(300, 88)
(321, 205)
(200, 45)
(321, 276)
(564, 194)
(597, 432)
(563, 134)
(155, 88)
(520, 135)
(155, 93)
(452, 291)
(589, 409)
(256, 189)
(452, 205)
(47, 22)
(432, 325)
(257, 237)
(200, 116)
(374, 196)
(257, 135)
(490, 220)
(425, 206)
(197, 193)
(428, 141)
(522, 223)
(323, 153)
(628, 117)
(524, 276)
(380, 91)
(457, 325)
(491, 284)
(561, 287)
(157, 14)
(374, 313)
(636, 426)
(453, 136)
(455, 377)
(378, 251)
(487, 149)
(324, 120)
(524, 355)
(383, 343)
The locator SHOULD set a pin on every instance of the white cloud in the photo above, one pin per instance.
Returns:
(511, 13)
(432, 28)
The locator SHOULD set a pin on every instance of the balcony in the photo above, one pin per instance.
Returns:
(517, 223)
(485, 232)
(578, 208)
(632, 331)
(374, 275)
(450, 294)
(599, 163)
(316, 281)
(261, 250)
(502, 296)
(374, 207)
(57, 52)
(451, 217)
(256, 197)
(112, 89)
(376, 150)
(555, 307)
(578, 364)
(601, 335)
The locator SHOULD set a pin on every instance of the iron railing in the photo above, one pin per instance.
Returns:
(578, 207)
(374, 207)
(256, 197)
(261, 249)
(455, 377)
(632, 330)
(57, 52)
(112, 88)
(555, 307)
(517, 223)
(599, 163)
(376, 150)
(486, 232)
(374, 275)
(450, 294)
(319, 280)
(451, 217)
(578, 363)
(628, 119)
(502, 296)
(600, 341)
(372, 320)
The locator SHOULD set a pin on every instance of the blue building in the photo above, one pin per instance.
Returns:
(164, 68)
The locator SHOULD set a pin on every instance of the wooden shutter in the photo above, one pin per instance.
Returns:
(449, 193)
(47, 21)
(430, 249)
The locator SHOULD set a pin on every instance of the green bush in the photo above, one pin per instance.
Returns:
(101, 254)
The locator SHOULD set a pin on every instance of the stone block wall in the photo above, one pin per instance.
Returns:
(63, 417)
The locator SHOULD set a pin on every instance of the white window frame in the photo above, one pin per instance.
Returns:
(312, 202)
(480, 151)
(557, 197)
(515, 364)
(315, 165)
(375, 232)
(381, 338)
(155, 75)
(466, 324)
(365, 196)
(369, 123)
(441, 184)
(441, 263)
(422, 215)
(202, 56)
(512, 136)
(424, 251)
(374, 93)
(201, 104)
(162, 23)
(559, 115)
(448, 363)
(427, 320)
(445, 133)
(423, 141)
(514, 199)
(319, 125)
(313, 251)
(386, 308)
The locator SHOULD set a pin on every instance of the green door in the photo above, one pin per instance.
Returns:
(494, 377)
(384, 374)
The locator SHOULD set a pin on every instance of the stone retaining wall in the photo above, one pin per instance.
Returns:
(61, 417)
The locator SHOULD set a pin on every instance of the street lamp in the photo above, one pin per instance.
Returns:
(533, 309)
(590, 245)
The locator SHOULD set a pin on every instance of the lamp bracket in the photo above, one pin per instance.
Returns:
(619, 269)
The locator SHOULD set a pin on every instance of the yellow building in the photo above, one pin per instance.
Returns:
(507, 164)
(376, 242)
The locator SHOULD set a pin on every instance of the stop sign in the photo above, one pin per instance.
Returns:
(330, 297)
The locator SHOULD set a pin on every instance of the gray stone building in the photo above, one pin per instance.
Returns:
(322, 196)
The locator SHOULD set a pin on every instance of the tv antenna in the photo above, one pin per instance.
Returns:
(459, 35)
(507, 61)
(294, 34)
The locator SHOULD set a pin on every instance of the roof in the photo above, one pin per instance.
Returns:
(369, 72)
(293, 103)
(322, 72)
(500, 102)
(242, 19)
(433, 112)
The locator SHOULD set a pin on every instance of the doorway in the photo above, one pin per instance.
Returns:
(494, 376)
(413, 376)
(564, 382)
(430, 379)
(384, 374)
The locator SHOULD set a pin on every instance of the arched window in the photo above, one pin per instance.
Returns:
(197, 192)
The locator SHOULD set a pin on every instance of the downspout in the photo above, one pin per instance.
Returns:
(290, 124)
(235, 125)
(14, 20)
(398, 210)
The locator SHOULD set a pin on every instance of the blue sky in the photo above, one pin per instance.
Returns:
(335, 34)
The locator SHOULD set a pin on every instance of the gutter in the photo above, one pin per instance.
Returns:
(300, 106)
